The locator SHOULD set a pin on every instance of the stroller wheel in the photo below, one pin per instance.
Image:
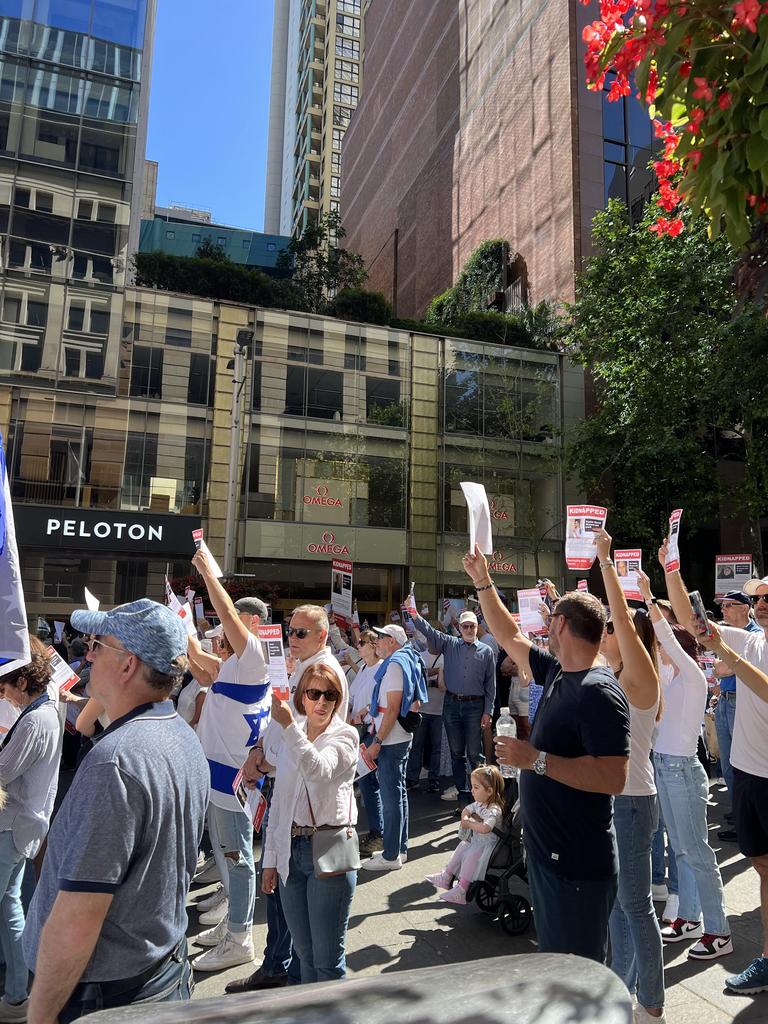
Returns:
(486, 896)
(515, 915)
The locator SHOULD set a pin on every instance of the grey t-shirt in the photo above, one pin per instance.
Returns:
(130, 825)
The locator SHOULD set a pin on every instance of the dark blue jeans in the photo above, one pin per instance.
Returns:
(462, 727)
(725, 718)
(317, 912)
(571, 916)
(371, 794)
(172, 984)
(430, 726)
(394, 798)
(279, 954)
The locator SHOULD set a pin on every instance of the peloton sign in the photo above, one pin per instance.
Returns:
(84, 529)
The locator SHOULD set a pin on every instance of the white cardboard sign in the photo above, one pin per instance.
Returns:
(479, 513)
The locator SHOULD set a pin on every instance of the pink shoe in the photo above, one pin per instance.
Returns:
(440, 881)
(456, 895)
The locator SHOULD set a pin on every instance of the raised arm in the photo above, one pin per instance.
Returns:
(234, 629)
(676, 590)
(500, 622)
(749, 674)
(435, 639)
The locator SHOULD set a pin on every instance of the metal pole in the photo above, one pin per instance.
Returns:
(230, 529)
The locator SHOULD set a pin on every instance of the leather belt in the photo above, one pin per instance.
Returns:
(730, 694)
(304, 831)
(464, 696)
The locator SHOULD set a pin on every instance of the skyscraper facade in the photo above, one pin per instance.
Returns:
(74, 97)
(316, 74)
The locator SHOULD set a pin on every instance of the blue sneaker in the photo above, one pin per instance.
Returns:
(753, 978)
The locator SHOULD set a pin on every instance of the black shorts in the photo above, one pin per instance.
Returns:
(750, 813)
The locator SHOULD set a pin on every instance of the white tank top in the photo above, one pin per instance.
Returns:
(642, 725)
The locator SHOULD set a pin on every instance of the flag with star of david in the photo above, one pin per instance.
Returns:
(14, 637)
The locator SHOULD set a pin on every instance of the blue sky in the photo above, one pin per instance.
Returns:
(209, 106)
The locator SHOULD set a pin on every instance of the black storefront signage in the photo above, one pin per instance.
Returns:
(118, 532)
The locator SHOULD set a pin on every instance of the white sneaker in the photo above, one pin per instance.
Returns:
(228, 953)
(641, 1016)
(212, 936)
(403, 858)
(669, 913)
(216, 897)
(659, 893)
(216, 914)
(378, 862)
(208, 873)
(13, 1011)
(450, 794)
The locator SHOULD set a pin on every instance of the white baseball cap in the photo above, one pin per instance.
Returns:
(750, 587)
(467, 617)
(396, 632)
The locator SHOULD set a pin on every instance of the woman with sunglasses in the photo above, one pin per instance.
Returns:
(630, 649)
(683, 792)
(314, 780)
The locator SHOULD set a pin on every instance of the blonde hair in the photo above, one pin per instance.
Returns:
(491, 779)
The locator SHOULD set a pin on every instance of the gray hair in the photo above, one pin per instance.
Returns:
(315, 612)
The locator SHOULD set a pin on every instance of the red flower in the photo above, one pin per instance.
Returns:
(724, 100)
(702, 90)
(674, 227)
(695, 117)
(685, 69)
(746, 13)
(653, 85)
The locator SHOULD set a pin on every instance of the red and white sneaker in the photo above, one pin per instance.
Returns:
(709, 947)
(680, 930)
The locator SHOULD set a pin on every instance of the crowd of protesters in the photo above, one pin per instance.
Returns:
(176, 744)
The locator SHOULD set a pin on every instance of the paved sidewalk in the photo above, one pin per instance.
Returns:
(398, 923)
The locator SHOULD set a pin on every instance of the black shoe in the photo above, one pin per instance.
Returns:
(259, 979)
(729, 817)
(727, 835)
(372, 842)
(410, 786)
(434, 787)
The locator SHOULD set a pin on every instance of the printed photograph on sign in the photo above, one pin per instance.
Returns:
(529, 602)
(731, 573)
(271, 637)
(583, 523)
(628, 564)
(341, 589)
(672, 561)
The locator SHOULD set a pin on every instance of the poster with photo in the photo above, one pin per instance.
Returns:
(274, 654)
(628, 564)
(528, 602)
(583, 523)
(731, 573)
(341, 589)
(583, 587)
(672, 561)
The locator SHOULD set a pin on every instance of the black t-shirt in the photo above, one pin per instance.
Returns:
(581, 713)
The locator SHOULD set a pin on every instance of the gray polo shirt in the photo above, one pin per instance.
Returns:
(130, 825)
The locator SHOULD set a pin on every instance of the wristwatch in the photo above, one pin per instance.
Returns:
(540, 764)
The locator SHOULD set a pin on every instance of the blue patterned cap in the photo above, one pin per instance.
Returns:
(145, 628)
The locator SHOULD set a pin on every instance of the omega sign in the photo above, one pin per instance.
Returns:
(79, 529)
(320, 497)
(328, 547)
(496, 512)
(499, 563)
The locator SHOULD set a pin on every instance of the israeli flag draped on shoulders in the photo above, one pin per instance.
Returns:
(14, 636)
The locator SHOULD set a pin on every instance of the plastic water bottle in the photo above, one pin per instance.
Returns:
(506, 726)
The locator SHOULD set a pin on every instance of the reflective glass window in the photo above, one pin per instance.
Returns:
(121, 21)
(74, 15)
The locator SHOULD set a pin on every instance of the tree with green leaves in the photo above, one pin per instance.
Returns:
(680, 379)
(208, 250)
(319, 266)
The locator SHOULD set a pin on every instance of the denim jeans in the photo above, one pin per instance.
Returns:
(394, 798)
(663, 869)
(725, 716)
(317, 912)
(430, 726)
(279, 955)
(172, 984)
(462, 727)
(232, 832)
(12, 919)
(636, 951)
(683, 792)
(571, 916)
(371, 793)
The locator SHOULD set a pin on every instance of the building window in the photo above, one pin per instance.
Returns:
(314, 392)
(382, 402)
(44, 202)
(222, 241)
(170, 235)
(76, 320)
(341, 116)
(347, 26)
(22, 198)
(196, 238)
(201, 372)
(247, 244)
(94, 365)
(347, 48)
(85, 209)
(71, 362)
(178, 336)
(354, 354)
(256, 389)
(37, 313)
(107, 213)
(271, 247)
(627, 151)
(147, 372)
(99, 321)
(344, 93)
(12, 309)
(348, 6)
(335, 186)
(347, 71)
(338, 138)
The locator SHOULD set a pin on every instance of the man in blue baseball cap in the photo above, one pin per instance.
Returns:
(107, 925)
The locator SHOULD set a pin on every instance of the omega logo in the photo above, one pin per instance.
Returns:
(328, 547)
(498, 563)
(320, 497)
(496, 512)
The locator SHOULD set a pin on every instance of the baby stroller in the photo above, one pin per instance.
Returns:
(504, 888)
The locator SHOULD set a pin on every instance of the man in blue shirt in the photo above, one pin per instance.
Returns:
(736, 612)
(469, 671)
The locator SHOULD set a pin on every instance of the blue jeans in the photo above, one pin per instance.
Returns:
(571, 916)
(663, 871)
(430, 726)
(683, 792)
(317, 912)
(279, 955)
(725, 716)
(12, 919)
(172, 984)
(231, 832)
(462, 727)
(371, 793)
(394, 799)
(636, 951)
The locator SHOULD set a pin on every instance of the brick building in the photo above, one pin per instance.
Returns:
(474, 123)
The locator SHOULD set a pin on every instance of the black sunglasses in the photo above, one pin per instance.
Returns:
(332, 696)
(759, 598)
(301, 632)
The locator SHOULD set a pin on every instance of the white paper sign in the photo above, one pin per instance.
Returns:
(364, 763)
(341, 589)
(672, 561)
(58, 631)
(479, 517)
(528, 602)
(197, 537)
(182, 610)
(252, 801)
(583, 523)
(272, 643)
(628, 564)
(188, 619)
(92, 603)
(62, 675)
(731, 573)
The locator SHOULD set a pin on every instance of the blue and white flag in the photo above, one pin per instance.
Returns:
(14, 636)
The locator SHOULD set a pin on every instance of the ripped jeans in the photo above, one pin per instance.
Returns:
(231, 832)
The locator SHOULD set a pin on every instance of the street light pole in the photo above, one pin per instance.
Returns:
(239, 366)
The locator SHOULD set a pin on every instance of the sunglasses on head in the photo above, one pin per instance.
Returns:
(760, 597)
(314, 695)
(301, 632)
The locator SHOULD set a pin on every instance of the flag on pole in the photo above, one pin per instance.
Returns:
(14, 636)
